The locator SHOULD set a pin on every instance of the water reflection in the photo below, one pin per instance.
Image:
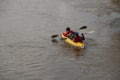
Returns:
(74, 50)
(77, 52)
(54, 40)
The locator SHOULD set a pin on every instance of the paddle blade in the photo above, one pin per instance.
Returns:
(89, 32)
(54, 40)
(83, 27)
(54, 36)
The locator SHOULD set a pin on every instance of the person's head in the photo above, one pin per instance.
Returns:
(68, 29)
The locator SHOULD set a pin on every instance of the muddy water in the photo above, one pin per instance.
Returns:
(26, 50)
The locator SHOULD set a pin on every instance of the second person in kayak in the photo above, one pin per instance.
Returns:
(77, 38)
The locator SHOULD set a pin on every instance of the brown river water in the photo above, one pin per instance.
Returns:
(26, 49)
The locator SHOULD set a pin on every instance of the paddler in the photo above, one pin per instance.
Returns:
(68, 32)
(78, 38)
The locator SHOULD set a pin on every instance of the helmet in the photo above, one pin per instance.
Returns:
(68, 29)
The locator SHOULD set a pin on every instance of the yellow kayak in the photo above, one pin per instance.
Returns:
(71, 42)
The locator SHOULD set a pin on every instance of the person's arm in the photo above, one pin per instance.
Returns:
(83, 38)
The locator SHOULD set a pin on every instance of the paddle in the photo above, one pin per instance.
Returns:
(83, 27)
(89, 32)
(56, 35)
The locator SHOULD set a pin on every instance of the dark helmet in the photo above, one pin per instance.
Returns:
(68, 29)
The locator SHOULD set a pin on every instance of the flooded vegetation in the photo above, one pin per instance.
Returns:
(27, 51)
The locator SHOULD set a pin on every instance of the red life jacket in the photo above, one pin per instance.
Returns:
(66, 33)
(77, 39)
